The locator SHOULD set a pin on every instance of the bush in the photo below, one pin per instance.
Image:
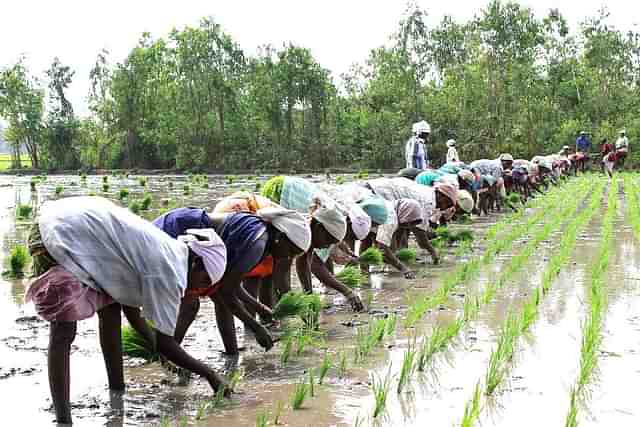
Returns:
(18, 260)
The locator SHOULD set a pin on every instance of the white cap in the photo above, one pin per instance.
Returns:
(451, 143)
(421, 127)
(506, 157)
(622, 131)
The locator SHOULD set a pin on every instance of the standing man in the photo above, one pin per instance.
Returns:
(416, 150)
(622, 148)
(583, 145)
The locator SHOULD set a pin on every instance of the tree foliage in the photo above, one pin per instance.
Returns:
(507, 80)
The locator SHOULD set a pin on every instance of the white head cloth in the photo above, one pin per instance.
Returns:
(212, 250)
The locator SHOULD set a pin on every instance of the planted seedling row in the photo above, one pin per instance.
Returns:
(596, 310)
(515, 325)
(471, 269)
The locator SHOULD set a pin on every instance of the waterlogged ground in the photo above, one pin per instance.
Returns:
(535, 392)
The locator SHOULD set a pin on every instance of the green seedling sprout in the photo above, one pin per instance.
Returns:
(300, 393)
(342, 366)
(186, 189)
(324, 367)
(135, 207)
(351, 276)
(59, 190)
(18, 260)
(33, 184)
(286, 351)
(407, 367)
(380, 387)
(277, 413)
(105, 179)
(142, 181)
(105, 188)
(312, 383)
(407, 255)
(146, 202)
(123, 193)
(262, 419)
(23, 211)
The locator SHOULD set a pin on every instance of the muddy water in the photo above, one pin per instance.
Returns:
(437, 398)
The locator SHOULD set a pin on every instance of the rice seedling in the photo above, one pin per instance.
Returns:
(342, 366)
(105, 188)
(146, 202)
(312, 382)
(142, 181)
(440, 336)
(351, 276)
(369, 299)
(277, 413)
(231, 179)
(33, 184)
(306, 306)
(299, 395)
(105, 179)
(406, 255)
(59, 189)
(339, 180)
(392, 322)
(202, 409)
(372, 256)
(18, 260)
(257, 187)
(407, 367)
(134, 345)
(123, 193)
(464, 236)
(472, 409)
(380, 387)
(165, 421)
(362, 174)
(286, 351)
(170, 185)
(324, 367)
(262, 419)
(135, 207)
(23, 211)
(186, 189)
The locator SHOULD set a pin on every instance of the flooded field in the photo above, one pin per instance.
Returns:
(492, 336)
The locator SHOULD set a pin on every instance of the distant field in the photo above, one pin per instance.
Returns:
(5, 161)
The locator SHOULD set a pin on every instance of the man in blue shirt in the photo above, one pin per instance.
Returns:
(583, 146)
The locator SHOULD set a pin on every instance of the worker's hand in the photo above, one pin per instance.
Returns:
(264, 338)
(436, 260)
(409, 274)
(356, 303)
(217, 382)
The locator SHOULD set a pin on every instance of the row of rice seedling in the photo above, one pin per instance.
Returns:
(632, 213)
(498, 242)
(592, 327)
(516, 324)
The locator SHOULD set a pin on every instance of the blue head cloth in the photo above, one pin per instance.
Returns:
(376, 208)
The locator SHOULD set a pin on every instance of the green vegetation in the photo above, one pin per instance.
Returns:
(372, 256)
(142, 180)
(18, 260)
(262, 419)
(407, 255)
(306, 306)
(134, 345)
(408, 366)
(135, 207)
(123, 193)
(300, 393)
(351, 276)
(324, 367)
(380, 388)
(59, 190)
(272, 189)
(339, 180)
(146, 202)
(23, 211)
(105, 187)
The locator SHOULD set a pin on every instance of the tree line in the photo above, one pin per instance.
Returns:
(507, 80)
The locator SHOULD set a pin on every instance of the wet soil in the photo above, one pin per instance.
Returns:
(545, 368)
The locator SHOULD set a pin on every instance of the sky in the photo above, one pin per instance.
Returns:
(338, 32)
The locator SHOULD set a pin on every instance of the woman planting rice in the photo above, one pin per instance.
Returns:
(279, 233)
(93, 256)
(329, 226)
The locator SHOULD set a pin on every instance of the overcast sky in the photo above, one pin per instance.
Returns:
(338, 33)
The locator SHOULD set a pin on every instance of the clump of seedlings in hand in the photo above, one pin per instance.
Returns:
(59, 190)
(406, 255)
(146, 202)
(300, 393)
(306, 306)
(23, 211)
(380, 387)
(351, 276)
(372, 256)
(18, 260)
(134, 345)
(324, 367)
